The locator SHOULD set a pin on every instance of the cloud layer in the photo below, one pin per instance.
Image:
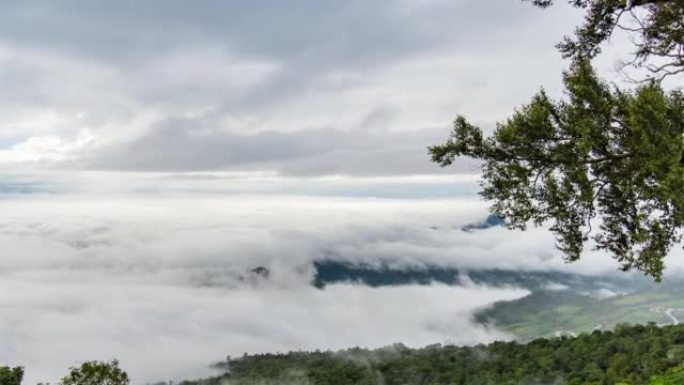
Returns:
(166, 283)
(306, 88)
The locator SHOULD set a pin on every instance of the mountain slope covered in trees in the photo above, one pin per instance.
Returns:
(634, 355)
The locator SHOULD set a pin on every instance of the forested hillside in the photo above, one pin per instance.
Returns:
(634, 355)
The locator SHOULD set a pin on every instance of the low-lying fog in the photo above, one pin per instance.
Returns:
(167, 283)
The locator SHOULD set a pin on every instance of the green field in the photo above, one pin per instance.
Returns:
(547, 313)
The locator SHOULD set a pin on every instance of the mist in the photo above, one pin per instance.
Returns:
(170, 282)
(167, 284)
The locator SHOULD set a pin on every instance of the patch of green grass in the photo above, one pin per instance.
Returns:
(544, 313)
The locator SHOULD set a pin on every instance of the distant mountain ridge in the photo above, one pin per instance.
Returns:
(332, 271)
(558, 302)
(492, 220)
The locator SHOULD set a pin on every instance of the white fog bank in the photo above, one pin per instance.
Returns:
(165, 284)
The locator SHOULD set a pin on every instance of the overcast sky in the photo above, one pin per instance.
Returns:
(302, 87)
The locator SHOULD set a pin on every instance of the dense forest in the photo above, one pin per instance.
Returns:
(633, 355)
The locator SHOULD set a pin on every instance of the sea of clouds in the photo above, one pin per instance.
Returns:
(165, 282)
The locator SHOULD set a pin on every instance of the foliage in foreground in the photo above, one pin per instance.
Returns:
(89, 373)
(605, 153)
(633, 355)
(11, 376)
(96, 373)
(654, 27)
(629, 355)
(674, 376)
(616, 155)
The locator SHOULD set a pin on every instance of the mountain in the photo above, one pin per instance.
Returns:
(491, 221)
(331, 271)
(558, 303)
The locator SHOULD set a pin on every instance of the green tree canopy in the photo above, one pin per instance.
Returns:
(603, 156)
(629, 355)
(656, 28)
(11, 376)
(96, 373)
(601, 152)
(674, 376)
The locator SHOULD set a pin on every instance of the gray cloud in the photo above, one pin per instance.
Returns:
(353, 30)
(196, 145)
(104, 82)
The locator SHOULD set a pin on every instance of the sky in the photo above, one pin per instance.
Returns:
(152, 154)
(303, 88)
